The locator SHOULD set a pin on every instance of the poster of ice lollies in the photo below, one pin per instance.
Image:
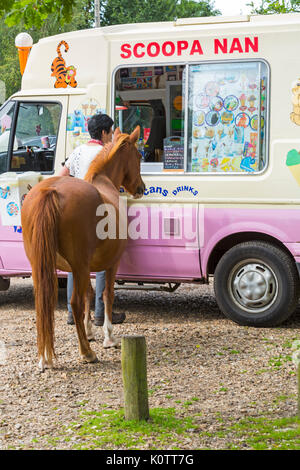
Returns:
(227, 123)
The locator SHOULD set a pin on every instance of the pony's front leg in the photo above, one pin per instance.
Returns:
(108, 298)
(87, 314)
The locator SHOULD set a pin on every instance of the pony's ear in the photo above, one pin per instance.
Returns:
(134, 136)
(117, 132)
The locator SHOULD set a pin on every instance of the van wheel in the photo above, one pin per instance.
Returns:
(256, 284)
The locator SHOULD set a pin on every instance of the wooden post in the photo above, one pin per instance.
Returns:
(298, 386)
(134, 368)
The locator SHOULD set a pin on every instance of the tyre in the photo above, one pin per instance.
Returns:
(256, 284)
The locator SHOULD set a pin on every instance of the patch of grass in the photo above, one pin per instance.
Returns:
(108, 429)
(223, 389)
(229, 350)
(266, 434)
(151, 391)
(187, 403)
(277, 362)
(169, 429)
(82, 403)
(288, 343)
(281, 398)
(261, 371)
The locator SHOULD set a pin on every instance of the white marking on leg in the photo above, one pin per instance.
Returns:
(88, 327)
(44, 363)
(109, 339)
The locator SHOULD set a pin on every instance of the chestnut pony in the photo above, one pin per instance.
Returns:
(60, 220)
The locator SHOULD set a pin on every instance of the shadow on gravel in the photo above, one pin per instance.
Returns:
(188, 303)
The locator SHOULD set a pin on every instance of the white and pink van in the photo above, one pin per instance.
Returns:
(218, 102)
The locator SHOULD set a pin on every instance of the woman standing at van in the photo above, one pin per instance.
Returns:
(100, 130)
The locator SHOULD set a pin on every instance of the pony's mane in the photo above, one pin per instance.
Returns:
(104, 156)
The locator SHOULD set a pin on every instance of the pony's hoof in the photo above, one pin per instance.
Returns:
(91, 338)
(91, 358)
(43, 364)
(111, 342)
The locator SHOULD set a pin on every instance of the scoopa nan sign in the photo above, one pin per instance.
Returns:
(193, 48)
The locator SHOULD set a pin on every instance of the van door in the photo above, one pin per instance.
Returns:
(36, 142)
(163, 242)
(163, 227)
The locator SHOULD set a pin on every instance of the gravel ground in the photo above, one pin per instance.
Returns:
(193, 353)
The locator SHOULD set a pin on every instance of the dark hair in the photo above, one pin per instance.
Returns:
(99, 123)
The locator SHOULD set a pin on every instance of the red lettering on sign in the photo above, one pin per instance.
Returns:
(135, 50)
(219, 45)
(125, 48)
(171, 46)
(182, 46)
(236, 46)
(149, 49)
(253, 45)
(196, 48)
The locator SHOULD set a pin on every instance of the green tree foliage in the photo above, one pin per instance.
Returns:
(9, 64)
(34, 13)
(269, 7)
(82, 18)
(140, 11)
(49, 17)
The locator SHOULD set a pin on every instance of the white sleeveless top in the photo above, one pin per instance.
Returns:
(81, 158)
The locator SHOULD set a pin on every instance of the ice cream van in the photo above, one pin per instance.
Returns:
(218, 102)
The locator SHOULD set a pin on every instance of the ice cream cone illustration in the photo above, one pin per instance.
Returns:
(23, 56)
(293, 162)
(23, 43)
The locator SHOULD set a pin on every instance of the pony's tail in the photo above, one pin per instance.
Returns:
(44, 248)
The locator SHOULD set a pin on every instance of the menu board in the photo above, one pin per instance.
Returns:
(173, 154)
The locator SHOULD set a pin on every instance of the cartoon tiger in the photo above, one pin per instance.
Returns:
(64, 75)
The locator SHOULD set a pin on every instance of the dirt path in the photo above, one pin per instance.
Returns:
(194, 353)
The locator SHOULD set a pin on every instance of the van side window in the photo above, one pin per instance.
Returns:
(6, 120)
(153, 97)
(36, 134)
(227, 117)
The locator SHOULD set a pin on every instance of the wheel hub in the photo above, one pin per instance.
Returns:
(253, 286)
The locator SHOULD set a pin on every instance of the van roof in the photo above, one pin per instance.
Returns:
(93, 52)
(207, 22)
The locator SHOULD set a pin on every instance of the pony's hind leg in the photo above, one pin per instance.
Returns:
(108, 298)
(81, 285)
(87, 313)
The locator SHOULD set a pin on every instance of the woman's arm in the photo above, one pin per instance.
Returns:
(64, 171)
